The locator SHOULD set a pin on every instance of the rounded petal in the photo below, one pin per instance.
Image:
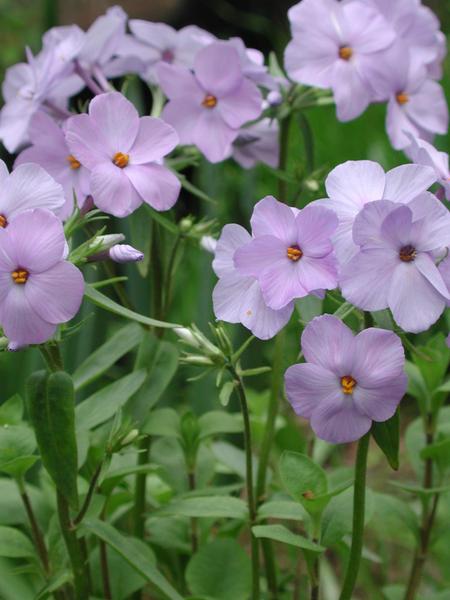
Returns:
(414, 302)
(327, 342)
(183, 115)
(86, 141)
(213, 136)
(408, 181)
(111, 190)
(311, 59)
(380, 403)
(429, 270)
(318, 273)
(428, 108)
(241, 105)
(379, 358)
(259, 254)
(155, 184)
(218, 68)
(232, 237)
(356, 182)
(21, 324)
(228, 294)
(271, 217)
(433, 220)
(365, 280)
(117, 119)
(307, 385)
(281, 283)
(28, 187)
(179, 83)
(351, 94)
(315, 226)
(154, 140)
(56, 294)
(261, 320)
(338, 420)
(35, 240)
(367, 224)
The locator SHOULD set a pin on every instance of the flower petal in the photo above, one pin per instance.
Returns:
(318, 273)
(379, 358)
(338, 420)
(111, 190)
(356, 182)
(183, 115)
(315, 226)
(271, 217)
(259, 254)
(86, 141)
(218, 68)
(380, 403)
(117, 119)
(327, 342)
(155, 184)
(232, 237)
(261, 320)
(154, 140)
(307, 385)
(241, 105)
(408, 181)
(213, 136)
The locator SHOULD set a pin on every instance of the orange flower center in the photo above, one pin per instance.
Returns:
(402, 98)
(294, 253)
(121, 160)
(3, 221)
(209, 101)
(73, 162)
(347, 384)
(20, 276)
(345, 52)
(407, 253)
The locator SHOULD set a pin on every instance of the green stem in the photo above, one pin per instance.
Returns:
(194, 532)
(52, 356)
(284, 126)
(359, 500)
(252, 509)
(427, 522)
(107, 593)
(308, 142)
(170, 274)
(36, 532)
(81, 580)
(87, 501)
(140, 489)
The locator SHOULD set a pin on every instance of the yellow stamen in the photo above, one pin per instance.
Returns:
(345, 52)
(3, 221)
(402, 98)
(20, 276)
(121, 160)
(73, 162)
(407, 253)
(294, 253)
(347, 384)
(209, 101)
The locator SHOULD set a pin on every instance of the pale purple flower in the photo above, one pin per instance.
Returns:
(416, 26)
(49, 150)
(156, 43)
(348, 380)
(123, 253)
(354, 183)
(28, 186)
(395, 266)
(416, 104)
(257, 143)
(423, 153)
(435, 69)
(336, 45)
(252, 63)
(291, 254)
(237, 298)
(123, 154)
(209, 106)
(38, 288)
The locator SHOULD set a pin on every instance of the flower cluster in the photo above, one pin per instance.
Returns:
(373, 51)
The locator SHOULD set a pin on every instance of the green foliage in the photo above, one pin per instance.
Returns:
(387, 437)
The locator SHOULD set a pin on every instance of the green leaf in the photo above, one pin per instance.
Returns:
(279, 533)
(420, 491)
(127, 549)
(282, 509)
(417, 386)
(162, 422)
(17, 444)
(220, 570)
(210, 506)
(14, 544)
(11, 411)
(122, 342)
(302, 478)
(141, 237)
(225, 393)
(218, 421)
(338, 516)
(106, 303)
(394, 521)
(387, 437)
(52, 412)
(104, 404)
(160, 359)
(309, 307)
(115, 476)
(14, 586)
(439, 452)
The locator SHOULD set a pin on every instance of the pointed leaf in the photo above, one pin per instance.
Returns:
(387, 437)
(279, 533)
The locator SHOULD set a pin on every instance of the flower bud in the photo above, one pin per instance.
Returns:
(274, 98)
(208, 243)
(122, 253)
(105, 242)
(187, 335)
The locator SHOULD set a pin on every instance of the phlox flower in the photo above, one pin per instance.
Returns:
(28, 186)
(395, 265)
(416, 103)
(156, 43)
(257, 143)
(238, 298)
(38, 288)
(347, 381)
(423, 153)
(49, 150)
(291, 254)
(123, 153)
(354, 183)
(208, 107)
(336, 45)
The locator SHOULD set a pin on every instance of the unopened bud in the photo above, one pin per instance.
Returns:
(274, 98)
(105, 242)
(208, 243)
(187, 335)
(122, 253)
(129, 438)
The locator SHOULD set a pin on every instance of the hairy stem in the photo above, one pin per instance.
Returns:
(427, 522)
(359, 501)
